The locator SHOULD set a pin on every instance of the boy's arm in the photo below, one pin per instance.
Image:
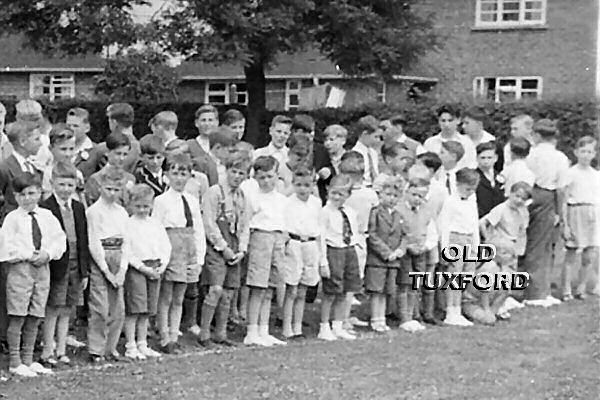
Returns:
(57, 239)
(92, 191)
(323, 223)
(199, 235)
(244, 227)
(165, 247)
(13, 250)
(376, 244)
(126, 248)
(94, 243)
(443, 223)
(431, 237)
(211, 209)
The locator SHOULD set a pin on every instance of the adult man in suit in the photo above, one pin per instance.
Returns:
(206, 120)
(120, 120)
(489, 191)
(25, 139)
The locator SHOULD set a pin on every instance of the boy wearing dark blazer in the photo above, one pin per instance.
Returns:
(489, 191)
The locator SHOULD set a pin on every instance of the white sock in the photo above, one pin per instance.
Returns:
(263, 330)
(336, 325)
(252, 330)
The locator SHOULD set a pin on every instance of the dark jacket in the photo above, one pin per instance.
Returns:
(488, 196)
(9, 169)
(385, 236)
(321, 160)
(203, 162)
(97, 159)
(142, 175)
(58, 268)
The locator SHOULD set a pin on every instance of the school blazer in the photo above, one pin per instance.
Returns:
(321, 160)
(385, 236)
(60, 267)
(488, 196)
(142, 175)
(9, 169)
(203, 162)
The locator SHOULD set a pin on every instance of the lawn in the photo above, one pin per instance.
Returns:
(540, 354)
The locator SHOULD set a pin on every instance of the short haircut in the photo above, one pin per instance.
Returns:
(352, 162)
(454, 147)
(163, 116)
(205, 109)
(392, 149)
(112, 176)
(301, 149)
(520, 147)
(116, 140)
(341, 181)
(25, 180)
(475, 113)
(152, 145)
(303, 122)
(431, 160)
(302, 173)
(179, 161)
(527, 120)
(393, 182)
(299, 137)
(487, 146)
(418, 182)
(419, 171)
(60, 133)
(223, 136)
(18, 130)
(467, 176)
(524, 186)
(64, 169)
(265, 163)
(122, 113)
(140, 192)
(240, 161)
(584, 141)
(281, 119)
(398, 119)
(367, 125)
(232, 116)
(545, 128)
(335, 130)
(29, 110)
(80, 113)
(245, 147)
(448, 108)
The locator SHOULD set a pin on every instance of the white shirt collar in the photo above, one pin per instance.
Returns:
(203, 142)
(273, 149)
(23, 163)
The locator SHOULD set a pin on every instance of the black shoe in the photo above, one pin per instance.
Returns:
(96, 359)
(116, 358)
(169, 348)
(225, 342)
(207, 344)
(278, 323)
(300, 336)
(432, 321)
(49, 362)
(4, 347)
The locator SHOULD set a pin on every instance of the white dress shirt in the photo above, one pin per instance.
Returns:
(148, 240)
(486, 137)
(302, 217)
(459, 216)
(434, 144)
(362, 200)
(203, 142)
(549, 166)
(107, 220)
(281, 155)
(267, 210)
(582, 185)
(18, 238)
(168, 209)
(332, 226)
(516, 171)
(366, 153)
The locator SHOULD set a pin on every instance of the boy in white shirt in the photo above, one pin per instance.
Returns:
(279, 131)
(517, 170)
(150, 253)
(303, 251)
(458, 224)
(451, 153)
(370, 137)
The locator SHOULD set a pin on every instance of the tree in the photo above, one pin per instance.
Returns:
(380, 37)
(139, 75)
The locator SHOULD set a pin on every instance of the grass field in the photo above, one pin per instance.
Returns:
(540, 354)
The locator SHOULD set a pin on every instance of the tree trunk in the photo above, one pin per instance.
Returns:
(256, 85)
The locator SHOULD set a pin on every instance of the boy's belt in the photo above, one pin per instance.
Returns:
(264, 230)
(580, 204)
(151, 263)
(302, 238)
(113, 242)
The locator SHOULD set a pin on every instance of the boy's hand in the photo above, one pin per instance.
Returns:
(84, 283)
(40, 258)
(324, 271)
(237, 258)
(567, 234)
(324, 173)
(228, 254)
(399, 253)
(392, 257)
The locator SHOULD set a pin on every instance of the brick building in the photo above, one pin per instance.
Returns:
(490, 49)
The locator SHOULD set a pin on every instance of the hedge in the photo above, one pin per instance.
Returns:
(575, 118)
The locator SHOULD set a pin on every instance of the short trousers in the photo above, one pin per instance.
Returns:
(410, 263)
(344, 274)
(301, 263)
(380, 279)
(583, 222)
(141, 293)
(460, 239)
(27, 289)
(217, 272)
(182, 266)
(67, 292)
(266, 255)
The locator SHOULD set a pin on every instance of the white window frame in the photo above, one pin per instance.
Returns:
(381, 92)
(226, 92)
(56, 81)
(480, 93)
(289, 91)
(500, 10)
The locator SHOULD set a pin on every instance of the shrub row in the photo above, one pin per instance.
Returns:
(574, 118)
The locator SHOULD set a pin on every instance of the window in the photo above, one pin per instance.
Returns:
(292, 94)
(381, 92)
(226, 93)
(498, 13)
(507, 88)
(52, 86)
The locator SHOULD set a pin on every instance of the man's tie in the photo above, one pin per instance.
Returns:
(189, 221)
(448, 186)
(36, 233)
(346, 228)
(371, 167)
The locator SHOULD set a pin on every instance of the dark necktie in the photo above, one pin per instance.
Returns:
(448, 183)
(189, 221)
(372, 174)
(36, 233)
(346, 228)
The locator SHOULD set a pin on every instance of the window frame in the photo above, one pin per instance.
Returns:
(480, 93)
(290, 92)
(381, 94)
(226, 92)
(56, 80)
(499, 23)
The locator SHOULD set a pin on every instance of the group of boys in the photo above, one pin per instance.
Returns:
(174, 235)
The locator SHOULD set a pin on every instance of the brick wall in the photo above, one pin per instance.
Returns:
(562, 53)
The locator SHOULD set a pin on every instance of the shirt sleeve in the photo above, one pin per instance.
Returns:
(14, 249)
(57, 239)
(158, 210)
(132, 233)
(244, 226)
(494, 216)
(444, 222)
(126, 248)
(164, 246)
(431, 237)
(95, 245)
(199, 235)
(323, 224)
(211, 209)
